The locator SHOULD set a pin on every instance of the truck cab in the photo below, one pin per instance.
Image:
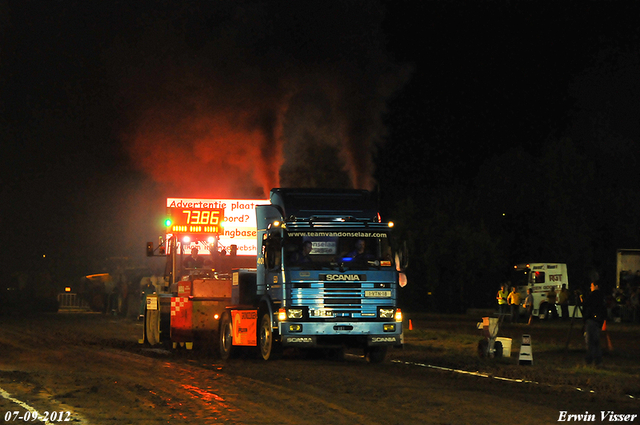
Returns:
(541, 277)
(326, 266)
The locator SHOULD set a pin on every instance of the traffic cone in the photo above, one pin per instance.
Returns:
(604, 329)
(526, 355)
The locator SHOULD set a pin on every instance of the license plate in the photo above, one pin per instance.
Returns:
(321, 313)
(377, 294)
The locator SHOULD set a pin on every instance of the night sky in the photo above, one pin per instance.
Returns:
(107, 108)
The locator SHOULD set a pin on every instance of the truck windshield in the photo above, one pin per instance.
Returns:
(526, 277)
(350, 250)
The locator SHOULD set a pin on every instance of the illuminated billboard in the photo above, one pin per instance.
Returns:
(233, 220)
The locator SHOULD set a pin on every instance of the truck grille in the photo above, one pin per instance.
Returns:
(340, 297)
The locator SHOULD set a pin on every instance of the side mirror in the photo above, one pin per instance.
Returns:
(402, 257)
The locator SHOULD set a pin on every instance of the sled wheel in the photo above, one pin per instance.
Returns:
(152, 326)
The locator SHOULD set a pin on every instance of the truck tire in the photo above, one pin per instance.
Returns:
(226, 337)
(543, 312)
(265, 336)
(267, 346)
(375, 354)
(152, 327)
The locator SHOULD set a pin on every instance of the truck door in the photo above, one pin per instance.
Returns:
(269, 264)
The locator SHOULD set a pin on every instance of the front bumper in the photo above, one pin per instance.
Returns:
(337, 334)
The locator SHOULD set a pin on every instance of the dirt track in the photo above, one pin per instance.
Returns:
(92, 366)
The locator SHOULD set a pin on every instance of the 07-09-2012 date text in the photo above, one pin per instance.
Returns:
(16, 415)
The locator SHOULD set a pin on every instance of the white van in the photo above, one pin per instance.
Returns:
(541, 277)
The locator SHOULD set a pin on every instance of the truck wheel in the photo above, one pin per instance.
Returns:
(152, 327)
(543, 312)
(226, 337)
(269, 348)
(375, 354)
(265, 336)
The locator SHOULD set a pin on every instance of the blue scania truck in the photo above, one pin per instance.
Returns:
(327, 276)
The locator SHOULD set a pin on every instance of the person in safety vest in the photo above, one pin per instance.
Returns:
(502, 300)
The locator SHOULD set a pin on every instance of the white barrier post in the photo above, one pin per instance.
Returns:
(526, 355)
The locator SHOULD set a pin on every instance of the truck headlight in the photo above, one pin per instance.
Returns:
(294, 313)
(387, 313)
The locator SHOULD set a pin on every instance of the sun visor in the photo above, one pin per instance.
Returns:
(304, 204)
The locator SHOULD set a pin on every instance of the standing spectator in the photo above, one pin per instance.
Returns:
(594, 316)
(610, 304)
(563, 300)
(620, 298)
(551, 300)
(502, 300)
(194, 261)
(634, 304)
(636, 279)
(109, 295)
(514, 303)
(528, 304)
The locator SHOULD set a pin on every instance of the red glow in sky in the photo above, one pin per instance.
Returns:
(206, 155)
